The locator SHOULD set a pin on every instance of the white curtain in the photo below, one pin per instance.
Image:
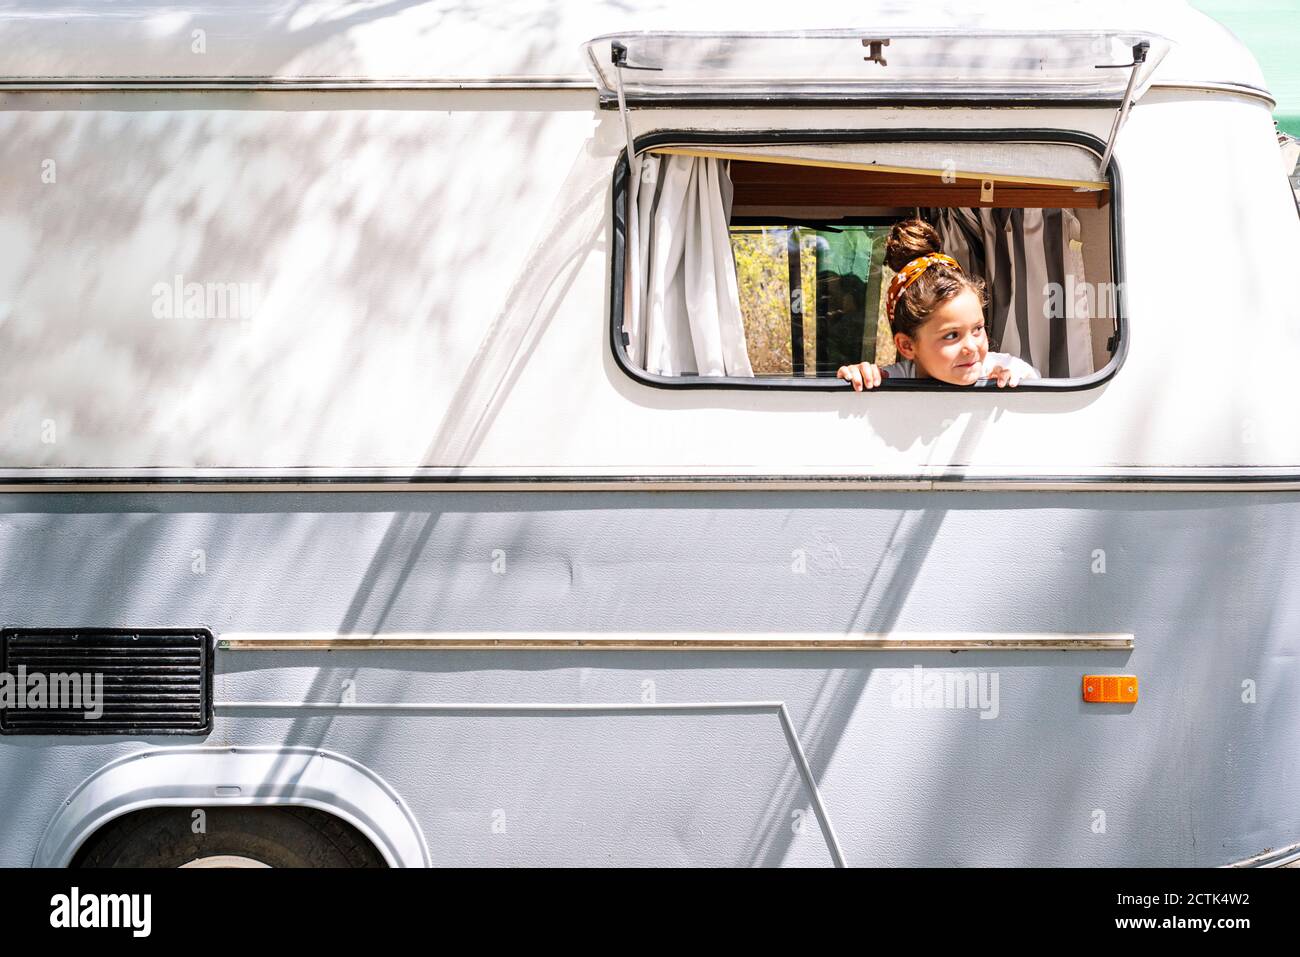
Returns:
(683, 313)
(1032, 261)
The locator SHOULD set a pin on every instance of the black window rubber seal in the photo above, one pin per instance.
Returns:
(774, 137)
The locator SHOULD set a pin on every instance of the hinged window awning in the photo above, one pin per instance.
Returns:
(898, 66)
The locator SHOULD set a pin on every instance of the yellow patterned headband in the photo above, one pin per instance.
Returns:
(909, 274)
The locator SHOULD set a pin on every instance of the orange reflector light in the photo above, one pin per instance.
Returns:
(1110, 688)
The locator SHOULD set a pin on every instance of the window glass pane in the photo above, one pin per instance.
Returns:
(837, 317)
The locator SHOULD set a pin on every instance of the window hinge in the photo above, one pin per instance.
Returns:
(1112, 343)
(618, 56)
(877, 54)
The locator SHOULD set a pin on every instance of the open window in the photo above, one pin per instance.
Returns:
(755, 259)
(762, 265)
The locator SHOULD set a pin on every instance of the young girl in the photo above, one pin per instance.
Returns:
(937, 317)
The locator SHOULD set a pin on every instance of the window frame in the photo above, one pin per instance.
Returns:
(776, 137)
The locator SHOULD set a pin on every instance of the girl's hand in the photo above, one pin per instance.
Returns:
(864, 375)
(1004, 376)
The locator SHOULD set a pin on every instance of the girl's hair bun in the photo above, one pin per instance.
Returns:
(909, 239)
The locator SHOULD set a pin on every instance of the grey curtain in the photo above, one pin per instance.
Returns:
(1032, 262)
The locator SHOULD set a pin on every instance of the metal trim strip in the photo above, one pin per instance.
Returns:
(1227, 479)
(678, 641)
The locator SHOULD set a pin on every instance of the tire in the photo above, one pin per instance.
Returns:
(234, 837)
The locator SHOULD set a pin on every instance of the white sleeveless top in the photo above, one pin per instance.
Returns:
(906, 368)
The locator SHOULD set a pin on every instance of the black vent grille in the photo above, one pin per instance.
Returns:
(154, 681)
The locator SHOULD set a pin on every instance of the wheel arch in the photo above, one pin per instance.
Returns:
(206, 776)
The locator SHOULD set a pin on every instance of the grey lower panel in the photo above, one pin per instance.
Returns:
(1199, 771)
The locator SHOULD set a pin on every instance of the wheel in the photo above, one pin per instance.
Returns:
(232, 837)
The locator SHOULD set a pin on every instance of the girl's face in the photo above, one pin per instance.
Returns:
(951, 345)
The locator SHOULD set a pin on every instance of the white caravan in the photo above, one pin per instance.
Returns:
(411, 476)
